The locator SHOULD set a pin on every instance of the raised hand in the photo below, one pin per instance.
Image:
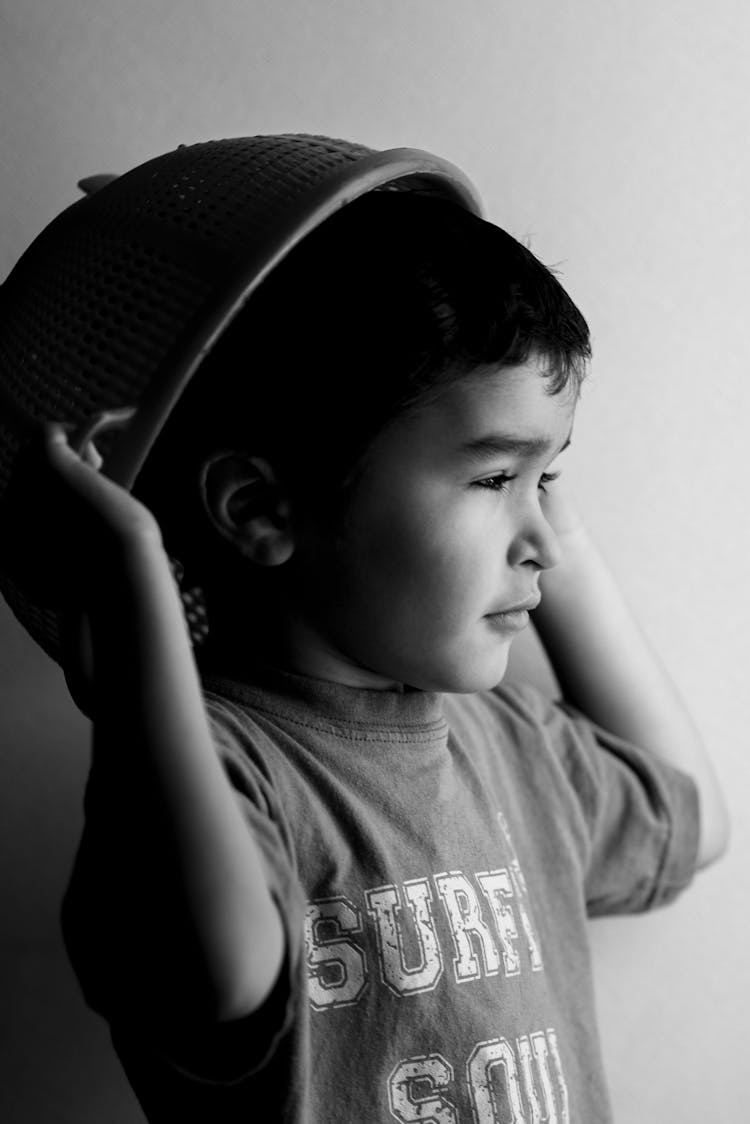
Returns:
(71, 524)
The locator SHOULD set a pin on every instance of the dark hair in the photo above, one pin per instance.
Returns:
(391, 299)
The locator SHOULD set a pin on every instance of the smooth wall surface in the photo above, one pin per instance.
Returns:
(611, 137)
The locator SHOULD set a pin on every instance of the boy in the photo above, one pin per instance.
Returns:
(333, 869)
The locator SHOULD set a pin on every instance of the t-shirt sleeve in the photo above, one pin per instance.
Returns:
(96, 930)
(636, 818)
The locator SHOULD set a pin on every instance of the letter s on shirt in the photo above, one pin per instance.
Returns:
(337, 968)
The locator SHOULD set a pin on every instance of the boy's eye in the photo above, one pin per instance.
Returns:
(547, 478)
(497, 483)
(500, 481)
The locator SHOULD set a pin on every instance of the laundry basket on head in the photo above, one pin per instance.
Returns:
(118, 300)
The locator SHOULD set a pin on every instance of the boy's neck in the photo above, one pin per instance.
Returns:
(296, 649)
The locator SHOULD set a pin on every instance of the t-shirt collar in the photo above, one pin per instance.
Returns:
(284, 691)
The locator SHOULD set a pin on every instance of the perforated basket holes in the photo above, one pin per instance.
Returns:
(85, 332)
(91, 326)
(193, 603)
(9, 446)
(229, 192)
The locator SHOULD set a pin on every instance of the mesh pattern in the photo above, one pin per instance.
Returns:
(193, 604)
(206, 189)
(102, 309)
(89, 327)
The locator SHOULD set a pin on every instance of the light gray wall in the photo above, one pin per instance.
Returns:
(611, 136)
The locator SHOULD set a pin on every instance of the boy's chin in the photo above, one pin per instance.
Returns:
(468, 676)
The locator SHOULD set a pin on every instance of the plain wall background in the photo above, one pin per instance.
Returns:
(613, 138)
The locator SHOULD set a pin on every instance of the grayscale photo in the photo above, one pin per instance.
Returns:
(374, 630)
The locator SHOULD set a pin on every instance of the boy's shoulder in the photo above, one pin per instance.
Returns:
(549, 745)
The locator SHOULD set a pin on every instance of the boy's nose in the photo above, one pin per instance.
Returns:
(535, 542)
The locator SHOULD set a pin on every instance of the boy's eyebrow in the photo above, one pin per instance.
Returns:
(492, 444)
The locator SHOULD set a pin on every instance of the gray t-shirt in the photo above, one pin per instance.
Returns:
(434, 858)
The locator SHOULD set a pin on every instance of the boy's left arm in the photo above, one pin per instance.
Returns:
(607, 669)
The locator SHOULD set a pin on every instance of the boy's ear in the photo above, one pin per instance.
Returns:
(248, 506)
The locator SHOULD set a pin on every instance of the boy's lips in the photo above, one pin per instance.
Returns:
(514, 618)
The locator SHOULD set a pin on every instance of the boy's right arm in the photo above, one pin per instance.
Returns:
(191, 926)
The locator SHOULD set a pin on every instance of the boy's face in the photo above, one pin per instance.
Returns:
(437, 544)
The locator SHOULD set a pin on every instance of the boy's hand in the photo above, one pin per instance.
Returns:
(104, 508)
(73, 524)
(606, 667)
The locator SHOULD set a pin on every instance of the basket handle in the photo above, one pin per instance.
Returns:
(91, 184)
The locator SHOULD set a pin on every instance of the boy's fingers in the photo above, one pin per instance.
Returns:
(100, 422)
(93, 456)
(56, 437)
(56, 433)
(79, 439)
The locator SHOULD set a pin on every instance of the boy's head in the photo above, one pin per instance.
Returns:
(397, 312)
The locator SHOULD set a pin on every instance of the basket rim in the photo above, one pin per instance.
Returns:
(359, 170)
(133, 443)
